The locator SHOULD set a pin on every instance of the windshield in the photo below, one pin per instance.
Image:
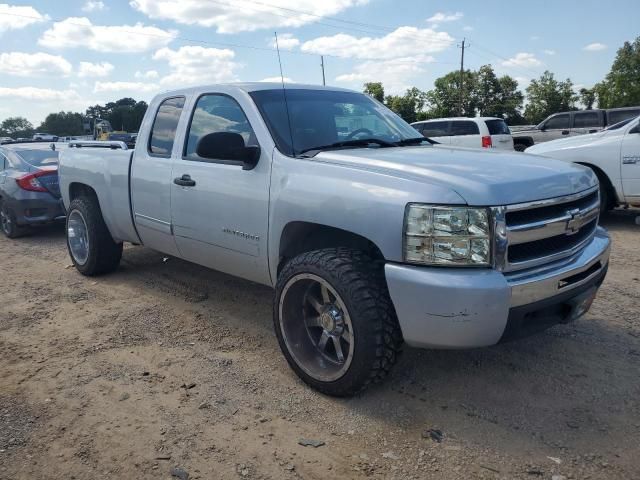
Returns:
(39, 158)
(324, 117)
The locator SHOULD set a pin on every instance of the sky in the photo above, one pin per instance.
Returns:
(68, 55)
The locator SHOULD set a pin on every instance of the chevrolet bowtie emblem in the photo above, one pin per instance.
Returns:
(574, 224)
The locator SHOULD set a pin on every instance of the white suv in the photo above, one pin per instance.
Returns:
(478, 132)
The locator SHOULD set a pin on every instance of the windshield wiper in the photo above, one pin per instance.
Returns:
(415, 141)
(360, 142)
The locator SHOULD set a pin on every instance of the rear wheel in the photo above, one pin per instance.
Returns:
(90, 244)
(334, 320)
(8, 222)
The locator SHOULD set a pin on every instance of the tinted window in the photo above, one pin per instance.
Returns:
(586, 119)
(620, 115)
(619, 125)
(323, 117)
(165, 125)
(39, 158)
(217, 113)
(464, 128)
(559, 121)
(497, 127)
(435, 129)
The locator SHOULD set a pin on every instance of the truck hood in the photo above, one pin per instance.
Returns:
(573, 142)
(480, 177)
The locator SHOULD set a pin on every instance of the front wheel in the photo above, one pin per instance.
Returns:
(90, 244)
(334, 320)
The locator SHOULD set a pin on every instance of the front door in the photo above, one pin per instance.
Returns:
(630, 167)
(556, 127)
(151, 178)
(220, 211)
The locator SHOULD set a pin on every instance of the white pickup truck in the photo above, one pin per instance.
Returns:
(369, 234)
(613, 154)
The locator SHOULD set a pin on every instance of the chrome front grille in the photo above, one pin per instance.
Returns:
(535, 233)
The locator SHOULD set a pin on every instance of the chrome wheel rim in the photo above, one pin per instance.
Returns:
(316, 327)
(78, 237)
(5, 221)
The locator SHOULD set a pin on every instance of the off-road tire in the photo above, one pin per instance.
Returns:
(13, 230)
(104, 254)
(360, 281)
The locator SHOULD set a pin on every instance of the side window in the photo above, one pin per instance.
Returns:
(459, 128)
(559, 121)
(217, 113)
(586, 119)
(165, 125)
(620, 115)
(435, 129)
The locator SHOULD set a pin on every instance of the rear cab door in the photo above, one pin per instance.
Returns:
(437, 130)
(465, 133)
(589, 121)
(151, 174)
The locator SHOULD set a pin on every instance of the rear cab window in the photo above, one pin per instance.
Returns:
(435, 129)
(497, 127)
(464, 127)
(620, 115)
(163, 132)
(586, 120)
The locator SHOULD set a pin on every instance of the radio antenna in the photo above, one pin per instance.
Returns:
(284, 95)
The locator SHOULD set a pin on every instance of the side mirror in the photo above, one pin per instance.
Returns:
(228, 146)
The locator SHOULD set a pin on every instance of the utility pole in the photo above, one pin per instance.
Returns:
(322, 65)
(461, 78)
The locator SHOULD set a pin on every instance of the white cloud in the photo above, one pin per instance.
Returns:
(110, 87)
(523, 59)
(395, 74)
(149, 75)
(92, 6)
(88, 69)
(286, 41)
(549, 52)
(193, 65)
(441, 17)
(399, 43)
(467, 28)
(595, 47)
(31, 64)
(229, 17)
(33, 93)
(13, 17)
(534, 38)
(80, 32)
(277, 80)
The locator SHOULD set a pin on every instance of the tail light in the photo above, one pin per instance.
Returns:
(486, 142)
(30, 181)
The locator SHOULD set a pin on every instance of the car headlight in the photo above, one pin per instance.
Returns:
(435, 235)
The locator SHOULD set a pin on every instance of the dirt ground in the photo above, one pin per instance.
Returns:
(165, 364)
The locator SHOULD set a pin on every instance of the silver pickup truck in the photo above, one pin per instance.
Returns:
(369, 234)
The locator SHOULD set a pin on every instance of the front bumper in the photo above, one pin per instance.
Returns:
(467, 308)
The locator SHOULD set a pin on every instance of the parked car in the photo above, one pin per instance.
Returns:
(614, 156)
(370, 236)
(478, 132)
(569, 124)
(6, 139)
(29, 190)
(45, 136)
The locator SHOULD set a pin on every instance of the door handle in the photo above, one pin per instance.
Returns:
(593, 131)
(565, 132)
(185, 181)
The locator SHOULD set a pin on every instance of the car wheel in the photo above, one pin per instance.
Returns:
(520, 147)
(335, 321)
(90, 244)
(8, 223)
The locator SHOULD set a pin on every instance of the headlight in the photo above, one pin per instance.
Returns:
(447, 235)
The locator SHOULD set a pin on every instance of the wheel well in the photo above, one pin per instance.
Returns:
(602, 177)
(300, 237)
(77, 190)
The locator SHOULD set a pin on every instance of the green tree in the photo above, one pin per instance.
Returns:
(16, 127)
(587, 97)
(409, 106)
(497, 97)
(63, 124)
(547, 95)
(621, 86)
(125, 114)
(375, 90)
(444, 99)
